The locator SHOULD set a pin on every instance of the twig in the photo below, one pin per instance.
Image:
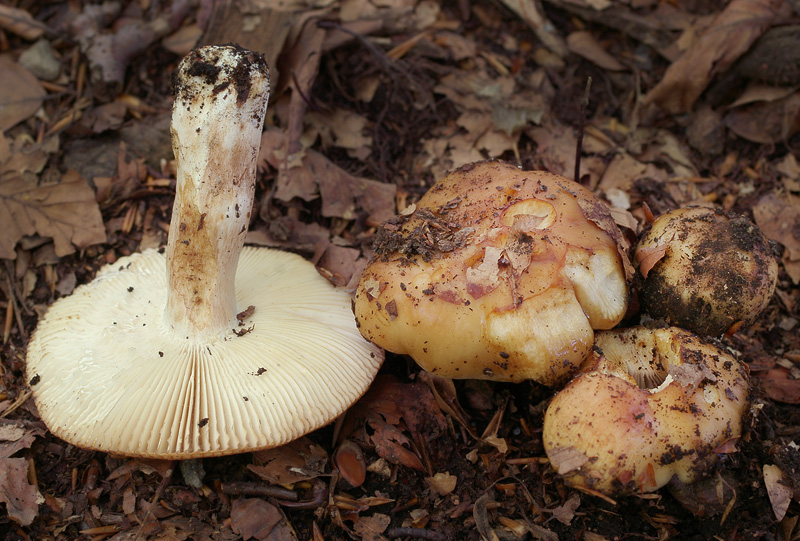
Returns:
(581, 127)
(250, 488)
(159, 491)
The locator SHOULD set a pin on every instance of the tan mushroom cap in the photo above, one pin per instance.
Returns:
(206, 349)
(109, 373)
(705, 270)
(648, 406)
(498, 273)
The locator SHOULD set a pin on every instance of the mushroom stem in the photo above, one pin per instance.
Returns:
(217, 118)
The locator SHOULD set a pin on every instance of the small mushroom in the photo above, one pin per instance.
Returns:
(705, 270)
(496, 273)
(209, 349)
(648, 405)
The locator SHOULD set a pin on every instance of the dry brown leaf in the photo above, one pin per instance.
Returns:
(20, 22)
(719, 45)
(779, 218)
(647, 257)
(66, 211)
(583, 44)
(777, 385)
(567, 459)
(780, 494)
(442, 483)
(344, 129)
(371, 528)
(297, 461)
(530, 12)
(566, 512)
(253, 518)
(20, 94)
(766, 121)
(21, 498)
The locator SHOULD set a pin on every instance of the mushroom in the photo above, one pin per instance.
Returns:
(209, 349)
(496, 273)
(648, 405)
(705, 270)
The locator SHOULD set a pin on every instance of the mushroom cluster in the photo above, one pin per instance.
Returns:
(647, 406)
(705, 270)
(496, 273)
(208, 349)
(501, 274)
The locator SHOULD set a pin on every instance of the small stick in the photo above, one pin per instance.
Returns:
(159, 491)
(581, 125)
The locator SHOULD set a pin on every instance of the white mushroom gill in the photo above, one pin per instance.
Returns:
(212, 349)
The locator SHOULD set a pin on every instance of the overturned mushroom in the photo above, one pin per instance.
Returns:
(497, 273)
(705, 270)
(201, 352)
(648, 405)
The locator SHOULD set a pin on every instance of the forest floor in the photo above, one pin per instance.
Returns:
(690, 102)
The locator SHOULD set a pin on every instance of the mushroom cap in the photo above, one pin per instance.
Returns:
(498, 273)
(705, 270)
(649, 404)
(108, 374)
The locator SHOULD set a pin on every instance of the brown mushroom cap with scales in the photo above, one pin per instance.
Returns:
(705, 270)
(208, 349)
(496, 273)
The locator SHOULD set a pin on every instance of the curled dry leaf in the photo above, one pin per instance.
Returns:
(728, 36)
(21, 498)
(779, 492)
(371, 528)
(254, 518)
(66, 211)
(779, 217)
(296, 461)
(766, 122)
(777, 385)
(442, 483)
(20, 94)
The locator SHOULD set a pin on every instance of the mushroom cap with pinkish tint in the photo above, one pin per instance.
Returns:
(496, 273)
(648, 405)
(109, 373)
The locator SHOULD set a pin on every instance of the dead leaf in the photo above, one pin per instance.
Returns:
(21, 498)
(344, 129)
(530, 12)
(297, 461)
(442, 483)
(566, 512)
(66, 211)
(718, 46)
(20, 94)
(480, 513)
(371, 528)
(567, 459)
(20, 22)
(582, 43)
(777, 385)
(253, 518)
(387, 408)
(780, 494)
(779, 218)
(766, 121)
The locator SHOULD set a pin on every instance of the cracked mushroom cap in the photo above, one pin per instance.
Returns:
(705, 270)
(648, 405)
(496, 273)
(206, 349)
